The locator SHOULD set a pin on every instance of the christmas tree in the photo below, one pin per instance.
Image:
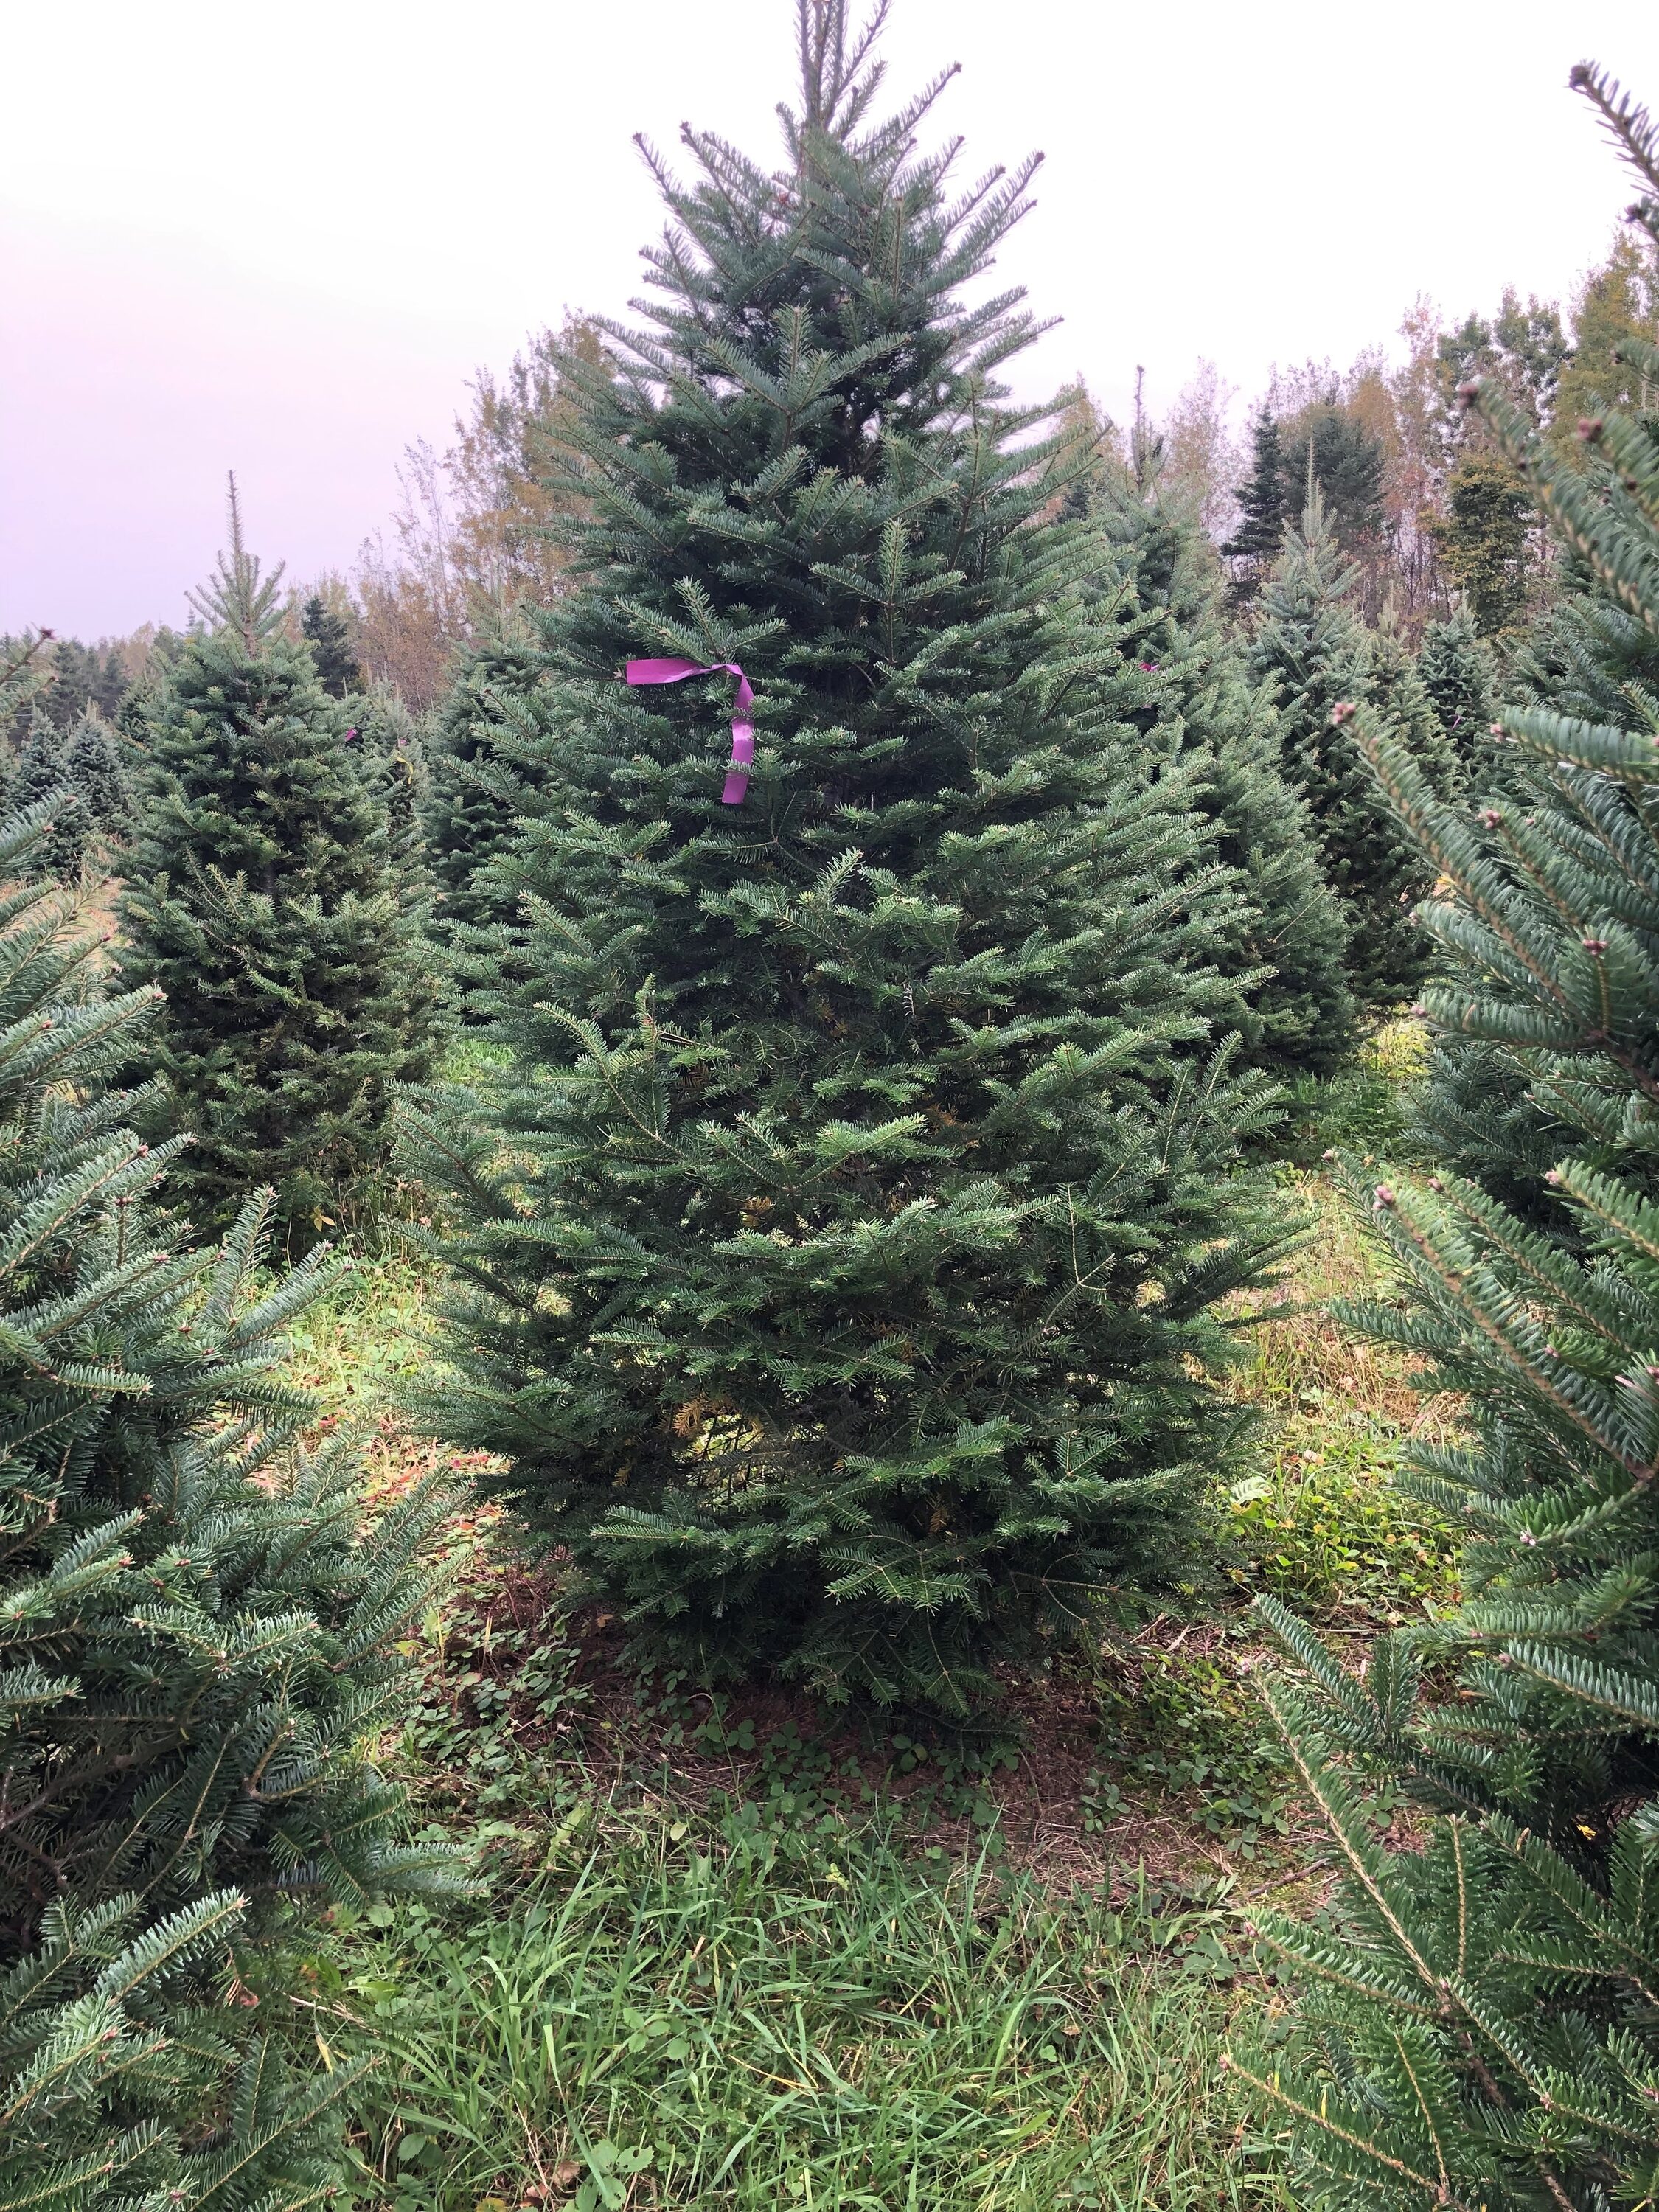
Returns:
(1311, 649)
(477, 789)
(70, 677)
(325, 631)
(1486, 2027)
(1458, 673)
(96, 774)
(1294, 1012)
(40, 784)
(1263, 512)
(1329, 448)
(197, 1642)
(842, 1255)
(261, 895)
(391, 758)
(1396, 689)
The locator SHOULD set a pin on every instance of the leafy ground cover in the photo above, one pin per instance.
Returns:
(726, 1951)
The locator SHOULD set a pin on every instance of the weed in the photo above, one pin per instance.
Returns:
(1190, 1723)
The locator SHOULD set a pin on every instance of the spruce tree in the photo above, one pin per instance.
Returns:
(1329, 448)
(1487, 2034)
(1313, 652)
(261, 895)
(840, 1260)
(325, 632)
(197, 1644)
(1294, 1012)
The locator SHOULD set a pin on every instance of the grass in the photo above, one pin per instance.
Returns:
(1320, 1521)
(720, 1957)
(738, 2016)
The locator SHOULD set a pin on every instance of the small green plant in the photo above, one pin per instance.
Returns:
(1329, 1531)
(1183, 1723)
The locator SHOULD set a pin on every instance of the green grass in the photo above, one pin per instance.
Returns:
(1320, 1520)
(740, 2016)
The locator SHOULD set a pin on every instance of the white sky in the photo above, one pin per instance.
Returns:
(282, 239)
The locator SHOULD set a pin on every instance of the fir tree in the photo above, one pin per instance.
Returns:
(197, 1643)
(1458, 673)
(391, 758)
(1396, 688)
(843, 1249)
(261, 895)
(1477, 1112)
(1294, 1012)
(324, 631)
(1487, 2030)
(74, 676)
(95, 773)
(1311, 649)
(1263, 514)
(478, 782)
(41, 783)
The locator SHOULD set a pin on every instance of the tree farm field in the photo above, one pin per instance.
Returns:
(734, 1950)
(829, 1235)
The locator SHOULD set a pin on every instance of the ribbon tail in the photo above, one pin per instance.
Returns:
(742, 759)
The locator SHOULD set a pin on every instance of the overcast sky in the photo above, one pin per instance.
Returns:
(282, 241)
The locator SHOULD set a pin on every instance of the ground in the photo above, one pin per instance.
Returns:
(726, 1952)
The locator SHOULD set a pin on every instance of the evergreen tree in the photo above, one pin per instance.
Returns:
(199, 1644)
(1483, 540)
(1478, 1111)
(391, 758)
(842, 1252)
(1328, 448)
(479, 780)
(1395, 687)
(1263, 512)
(325, 632)
(1312, 650)
(1487, 2034)
(1458, 673)
(41, 783)
(261, 895)
(76, 677)
(95, 774)
(1294, 1012)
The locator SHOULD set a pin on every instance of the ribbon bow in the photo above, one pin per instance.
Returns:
(743, 730)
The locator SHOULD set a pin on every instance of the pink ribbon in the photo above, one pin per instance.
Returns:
(743, 730)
